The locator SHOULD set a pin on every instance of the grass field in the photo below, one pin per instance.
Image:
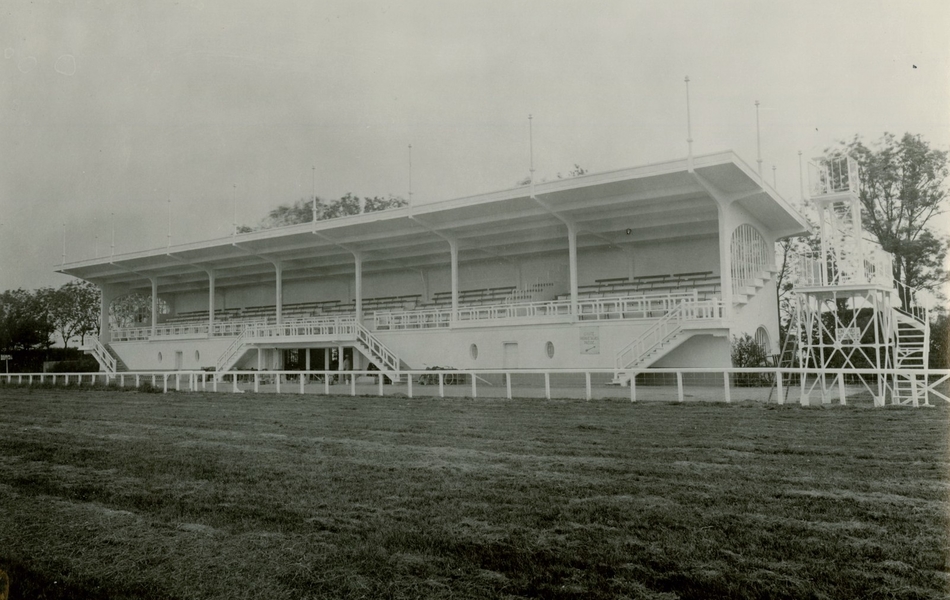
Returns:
(134, 495)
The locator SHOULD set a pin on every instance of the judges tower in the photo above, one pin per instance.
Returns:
(849, 311)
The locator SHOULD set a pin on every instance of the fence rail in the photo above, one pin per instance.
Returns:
(772, 385)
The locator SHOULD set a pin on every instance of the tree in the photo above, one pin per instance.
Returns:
(24, 321)
(902, 191)
(301, 211)
(73, 309)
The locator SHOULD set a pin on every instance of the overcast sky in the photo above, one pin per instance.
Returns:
(111, 107)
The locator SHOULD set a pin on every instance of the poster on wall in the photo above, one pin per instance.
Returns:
(590, 340)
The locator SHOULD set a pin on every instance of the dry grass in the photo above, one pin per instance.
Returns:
(133, 495)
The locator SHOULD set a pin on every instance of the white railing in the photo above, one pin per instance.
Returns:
(834, 175)
(645, 306)
(230, 353)
(910, 387)
(876, 268)
(533, 310)
(336, 327)
(130, 334)
(377, 349)
(101, 354)
(431, 318)
(666, 328)
(751, 256)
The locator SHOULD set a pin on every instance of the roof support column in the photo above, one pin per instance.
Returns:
(279, 300)
(154, 281)
(210, 302)
(454, 253)
(106, 295)
(358, 285)
(572, 260)
(725, 260)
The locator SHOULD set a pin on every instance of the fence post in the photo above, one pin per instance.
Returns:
(441, 386)
(234, 383)
(326, 383)
(301, 382)
(473, 385)
(508, 385)
(725, 384)
(165, 383)
(779, 386)
(913, 390)
(633, 387)
(679, 386)
(409, 383)
(547, 385)
(841, 388)
(381, 384)
(30, 381)
(352, 384)
(587, 393)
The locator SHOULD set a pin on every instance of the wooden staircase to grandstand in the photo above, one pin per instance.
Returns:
(742, 294)
(670, 331)
(349, 332)
(109, 361)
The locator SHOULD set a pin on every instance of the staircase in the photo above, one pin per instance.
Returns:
(670, 331)
(104, 356)
(333, 331)
(912, 344)
(743, 291)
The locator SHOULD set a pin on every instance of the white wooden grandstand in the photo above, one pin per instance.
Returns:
(648, 267)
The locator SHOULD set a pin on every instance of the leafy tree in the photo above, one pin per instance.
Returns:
(902, 192)
(134, 310)
(940, 341)
(73, 309)
(301, 211)
(24, 321)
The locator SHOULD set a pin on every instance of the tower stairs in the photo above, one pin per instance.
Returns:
(911, 352)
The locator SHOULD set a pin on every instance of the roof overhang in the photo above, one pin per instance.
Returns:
(661, 201)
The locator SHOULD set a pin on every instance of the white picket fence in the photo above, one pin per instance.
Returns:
(773, 385)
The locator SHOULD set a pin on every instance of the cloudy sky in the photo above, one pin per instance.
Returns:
(108, 109)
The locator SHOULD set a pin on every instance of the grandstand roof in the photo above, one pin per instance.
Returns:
(661, 201)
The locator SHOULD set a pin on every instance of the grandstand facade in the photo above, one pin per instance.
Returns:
(653, 266)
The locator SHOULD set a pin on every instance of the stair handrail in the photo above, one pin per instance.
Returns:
(914, 308)
(667, 326)
(102, 355)
(377, 348)
(229, 352)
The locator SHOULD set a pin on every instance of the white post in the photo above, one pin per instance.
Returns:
(679, 386)
(689, 131)
(154, 304)
(352, 385)
(257, 381)
(779, 386)
(277, 380)
(210, 303)
(441, 386)
(508, 385)
(473, 385)
(358, 268)
(841, 388)
(279, 270)
(725, 383)
(547, 385)
(758, 140)
(454, 252)
(572, 259)
(380, 384)
(409, 384)
(587, 392)
(633, 387)
(164, 383)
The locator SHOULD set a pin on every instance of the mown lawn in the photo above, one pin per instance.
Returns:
(134, 495)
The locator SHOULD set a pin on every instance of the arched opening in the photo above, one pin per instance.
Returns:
(763, 340)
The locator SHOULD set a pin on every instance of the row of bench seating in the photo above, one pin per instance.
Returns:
(704, 282)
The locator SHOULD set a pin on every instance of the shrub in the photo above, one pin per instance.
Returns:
(747, 353)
